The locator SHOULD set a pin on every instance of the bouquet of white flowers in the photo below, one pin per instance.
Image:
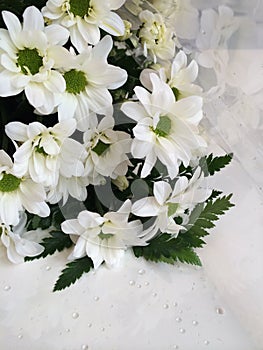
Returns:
(103, 145)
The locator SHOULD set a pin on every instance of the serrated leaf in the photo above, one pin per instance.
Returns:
(163, 248)
(54, 219)
(57, 242)
(211, 164)
(215, 194)
(169, 250)
(73, 271)
(201, 220)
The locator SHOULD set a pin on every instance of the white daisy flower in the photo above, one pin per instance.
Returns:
(88, 77)
(177, 74)
(84, 18)
(166, 129)
(179, 15)
(28, 59)
(104, 238)
(20, 243)
(168, 203)
(155, 37)
(46, 153)
(107, 151)
(18, 193)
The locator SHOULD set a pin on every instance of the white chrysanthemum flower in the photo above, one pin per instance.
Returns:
(20, 243)
(179, 15)
(18, 193)
(88, 77)
(168, 203)
(104, 238)
(83, 18)
(74, 186)
(46, 153)
(177, 74)
(28, 59)
(107, 151)
(166, 129)
(155, 37)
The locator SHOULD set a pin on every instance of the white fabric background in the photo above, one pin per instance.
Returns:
(144, 315)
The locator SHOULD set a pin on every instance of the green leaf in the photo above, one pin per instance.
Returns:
(54, 219)
(169, 250)
(72, 272)
(211, 164)
(57, 242)
(215, 194)
(204, 215)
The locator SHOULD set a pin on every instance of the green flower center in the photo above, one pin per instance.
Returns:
(79, 7)
(172, 208)
(75, 81)
(29, 61)
(100, 148)
(163, 127)
(105, 235)
(9, 183)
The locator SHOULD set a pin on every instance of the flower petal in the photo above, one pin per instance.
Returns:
(80, 248)
(12, 23)
(16, 131)
(67, 107)
(6, 86)
(33, 19)
(146, 207)
(28, 248)
(116, 4)
(149, 163)
(9, 64)
(77, 40)
(88, 32)
(72, 227)
(35, 94)
(56, 34)
(161, 191)
(13, 256)
(113, 24)
(55, 83)
(134, 110)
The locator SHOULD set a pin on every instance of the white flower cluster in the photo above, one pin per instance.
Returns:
(50, 166)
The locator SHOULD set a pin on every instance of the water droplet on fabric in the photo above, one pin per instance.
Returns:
(220, 311)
